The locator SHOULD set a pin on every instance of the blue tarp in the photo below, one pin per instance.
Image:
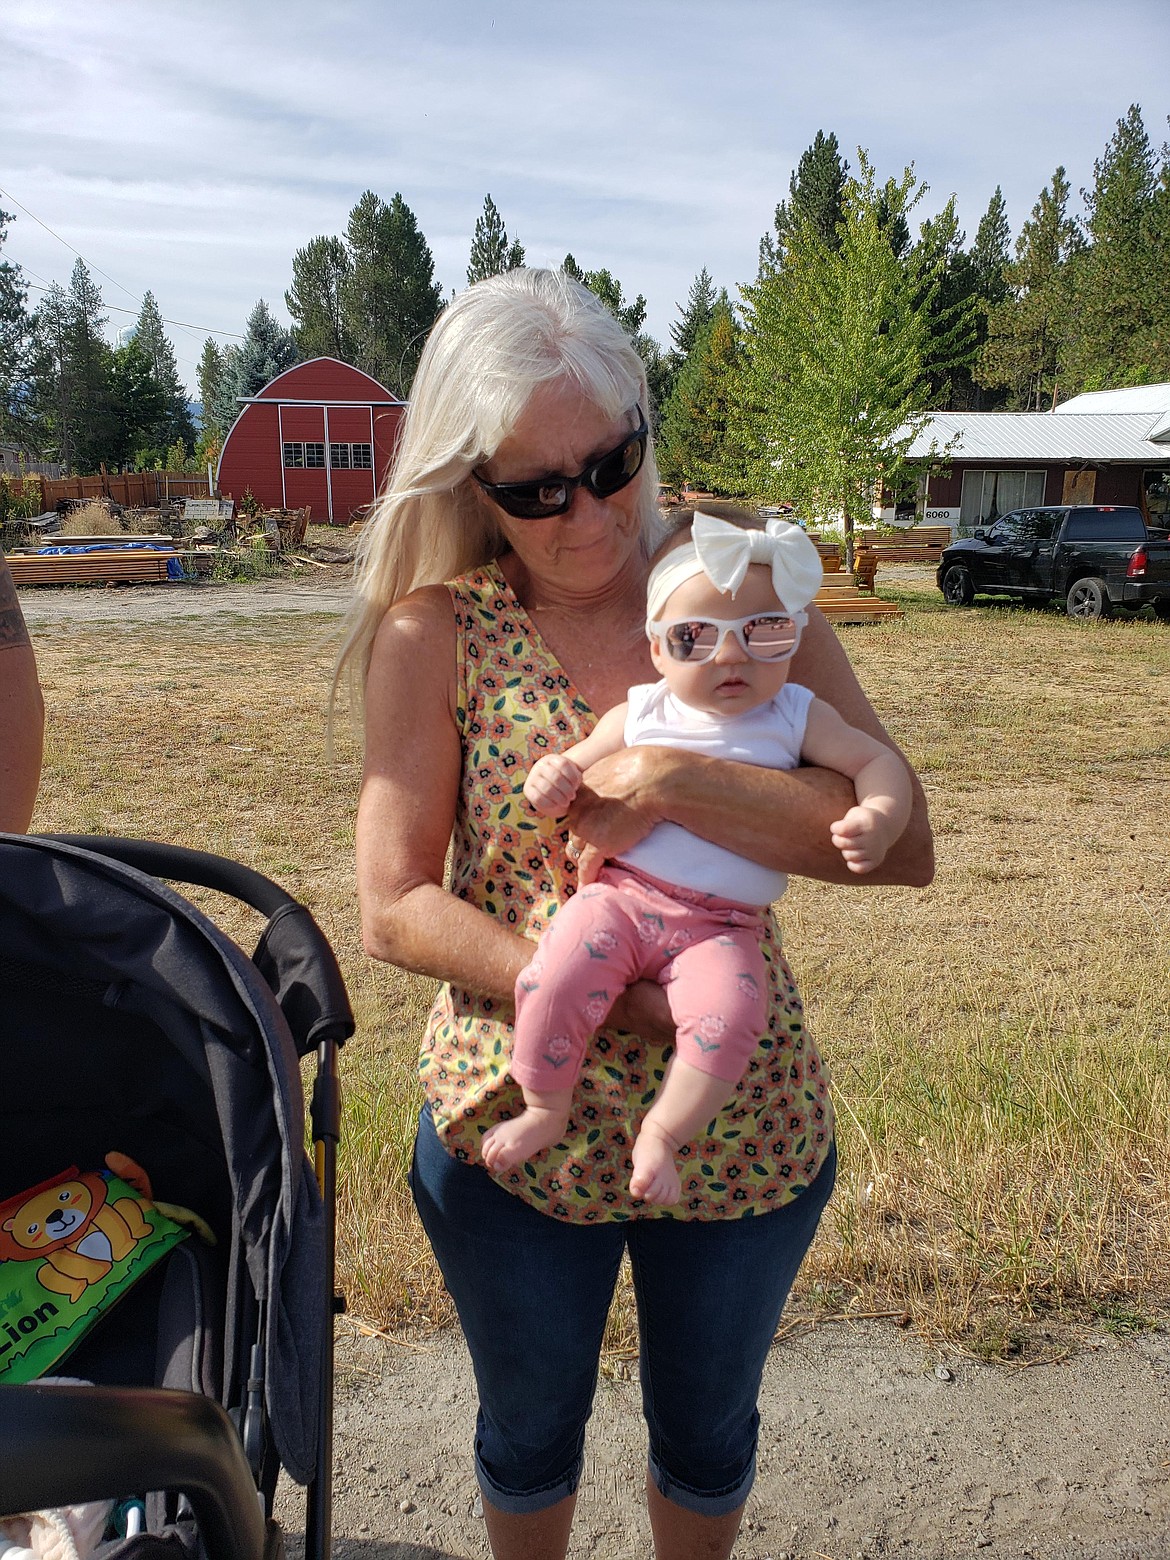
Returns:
(90, 547)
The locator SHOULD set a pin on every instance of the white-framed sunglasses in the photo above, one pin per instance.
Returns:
(766, 636)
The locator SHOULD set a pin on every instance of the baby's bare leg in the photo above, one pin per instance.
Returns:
(688, 1101)
(510, 1143)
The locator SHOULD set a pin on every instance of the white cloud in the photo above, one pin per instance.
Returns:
(192, 148)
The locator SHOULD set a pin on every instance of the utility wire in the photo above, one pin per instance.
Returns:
(8, 196)
(117, 309)
(180, 323)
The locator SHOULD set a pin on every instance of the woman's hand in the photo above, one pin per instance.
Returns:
(615, 806)
(643, 1010)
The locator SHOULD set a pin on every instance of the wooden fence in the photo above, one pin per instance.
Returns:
(131, 489)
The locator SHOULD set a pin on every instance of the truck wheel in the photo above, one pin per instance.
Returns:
(958, 588)
(1162, 609)
(1088, 598)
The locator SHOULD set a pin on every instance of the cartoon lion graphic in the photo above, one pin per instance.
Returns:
(75, 1229)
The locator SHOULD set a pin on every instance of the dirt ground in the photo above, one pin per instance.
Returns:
(870, 1446)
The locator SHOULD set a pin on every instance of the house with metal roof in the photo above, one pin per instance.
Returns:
(1104, 447)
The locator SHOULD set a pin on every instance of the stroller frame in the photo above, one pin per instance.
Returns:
(61, 1444)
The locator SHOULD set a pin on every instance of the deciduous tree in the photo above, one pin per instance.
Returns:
(834, 383)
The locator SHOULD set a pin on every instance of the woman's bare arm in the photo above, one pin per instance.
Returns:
(22, 713)
(780, 818)
(410, 787)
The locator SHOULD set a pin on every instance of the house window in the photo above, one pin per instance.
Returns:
(351, 457)
(1156, 485)
(297, 456)
(989, 494)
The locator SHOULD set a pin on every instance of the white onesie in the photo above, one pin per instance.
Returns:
(770, 735)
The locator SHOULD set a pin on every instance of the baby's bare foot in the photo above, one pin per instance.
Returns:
(655, 1178)
(510, 1143)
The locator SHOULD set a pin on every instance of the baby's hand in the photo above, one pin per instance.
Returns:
(552, 784)
(863, 837)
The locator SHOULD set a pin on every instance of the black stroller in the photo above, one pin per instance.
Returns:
(128, 1021)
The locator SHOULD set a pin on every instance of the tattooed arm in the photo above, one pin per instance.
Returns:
(22, 713)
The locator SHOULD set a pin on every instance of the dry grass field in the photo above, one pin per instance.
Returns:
(999, 1043)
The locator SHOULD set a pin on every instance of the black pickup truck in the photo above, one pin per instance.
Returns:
(1091, 557)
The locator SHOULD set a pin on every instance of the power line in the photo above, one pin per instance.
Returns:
(117, 309)
(182, 325)
(8, 196)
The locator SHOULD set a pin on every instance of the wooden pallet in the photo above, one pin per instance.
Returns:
(842, 602)
(107, 565)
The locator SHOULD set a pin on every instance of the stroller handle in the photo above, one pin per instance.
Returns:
(183, 865)
(294, 955)
(64, 1445)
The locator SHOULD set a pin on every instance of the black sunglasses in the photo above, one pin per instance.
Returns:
(553, 495)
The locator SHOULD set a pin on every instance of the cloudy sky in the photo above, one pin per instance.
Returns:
(192, 147)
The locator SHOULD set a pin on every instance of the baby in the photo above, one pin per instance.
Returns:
(676, 908)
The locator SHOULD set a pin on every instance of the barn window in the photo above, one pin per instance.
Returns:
(294, 455)
(314, 455)
(351, 457)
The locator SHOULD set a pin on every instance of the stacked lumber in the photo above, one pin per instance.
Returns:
(842, 602)
(920, 544)
(145, 564)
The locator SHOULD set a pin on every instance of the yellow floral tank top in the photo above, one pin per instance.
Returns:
(767, 1144)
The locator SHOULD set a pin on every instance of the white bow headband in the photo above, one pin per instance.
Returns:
(724, 553)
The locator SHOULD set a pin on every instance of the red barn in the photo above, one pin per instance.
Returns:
(322, 433)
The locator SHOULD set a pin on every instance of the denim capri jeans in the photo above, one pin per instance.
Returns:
(533, 1294)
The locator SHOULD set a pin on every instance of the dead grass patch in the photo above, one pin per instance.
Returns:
(999, 1043)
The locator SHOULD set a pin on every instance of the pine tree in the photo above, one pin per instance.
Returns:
(946, 280)
(697, 441)
(225, 408)
(1030, 333)
(142, 408)
(15, 332)
(390, 298)
(695, 315)
(990, 255)
(266, 350)
(316, 300)
(1111, 292)
(87, 373)
(815, 195)
(491, 252)
(175, 422)
(834, 383)
(210, 372)
(1152, 346)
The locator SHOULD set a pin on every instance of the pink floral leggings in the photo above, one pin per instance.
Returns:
(626, 927)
